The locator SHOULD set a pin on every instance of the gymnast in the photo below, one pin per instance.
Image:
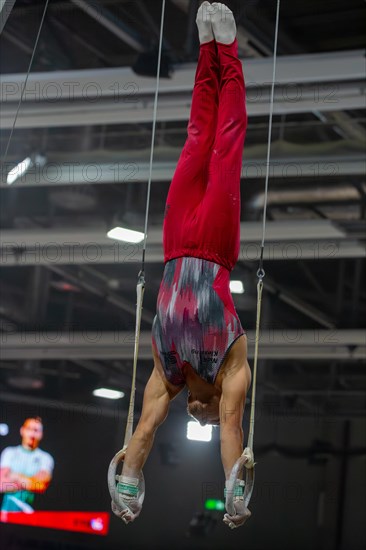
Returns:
(197, 337)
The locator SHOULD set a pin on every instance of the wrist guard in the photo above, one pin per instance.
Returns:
(238, 489)
(128, 487)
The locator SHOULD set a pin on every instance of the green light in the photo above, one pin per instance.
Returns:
(213, 504)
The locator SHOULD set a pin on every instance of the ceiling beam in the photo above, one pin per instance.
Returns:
(109, 375)
(73, 37)
(319, 68)
(5, 9)
(150, 22)
(131, 168)
(286, 231)
(83, 281)
(335, 344)
(17, 42)
(92, 409)
(112, 23)
(317, 82)
(315, 239)
(175, 108)
(344, 125)
(61, 53)
(11, 35)
(262, 28)
(117, 254)
(297, 303)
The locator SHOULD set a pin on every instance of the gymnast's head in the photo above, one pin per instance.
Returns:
(205, 413)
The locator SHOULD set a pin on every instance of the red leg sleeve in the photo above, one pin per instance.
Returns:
(203, 205)
(189, 182)
(220, 212)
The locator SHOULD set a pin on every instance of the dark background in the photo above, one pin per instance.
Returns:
(302, 478)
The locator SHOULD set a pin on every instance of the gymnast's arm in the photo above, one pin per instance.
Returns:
(234, 389)
(157, 396)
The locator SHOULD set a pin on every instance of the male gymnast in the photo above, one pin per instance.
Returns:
(197, 337)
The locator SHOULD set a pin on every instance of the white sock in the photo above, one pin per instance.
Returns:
(203, 21)
(223, 23)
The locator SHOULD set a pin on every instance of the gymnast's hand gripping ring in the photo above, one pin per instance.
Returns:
(118, 506)
(246, 460)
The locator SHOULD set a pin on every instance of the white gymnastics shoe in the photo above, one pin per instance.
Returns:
(203, 21)
(223, 23)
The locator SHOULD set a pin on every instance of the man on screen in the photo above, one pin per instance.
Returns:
(25, 469)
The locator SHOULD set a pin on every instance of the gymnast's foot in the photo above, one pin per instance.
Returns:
(203, 21)
(223, 23)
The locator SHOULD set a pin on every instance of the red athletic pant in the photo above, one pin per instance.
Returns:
(202, 214)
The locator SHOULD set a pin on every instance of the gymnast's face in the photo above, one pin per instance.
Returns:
(205, 413)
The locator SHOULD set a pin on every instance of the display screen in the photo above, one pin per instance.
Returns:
(53, 467)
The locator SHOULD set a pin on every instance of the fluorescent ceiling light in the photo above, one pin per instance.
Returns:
(108, 394)
(236, 287)
(196, 432)
(18, 170)
(127, 235)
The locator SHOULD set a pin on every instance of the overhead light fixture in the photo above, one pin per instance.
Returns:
(108, 393)
(196, 432)
(127, 235)
(236, 287)
(18, 170)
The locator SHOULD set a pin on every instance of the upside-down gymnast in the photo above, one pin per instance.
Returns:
(197, 337)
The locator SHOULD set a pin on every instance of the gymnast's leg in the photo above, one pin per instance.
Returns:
(220, 211)
(189, 183)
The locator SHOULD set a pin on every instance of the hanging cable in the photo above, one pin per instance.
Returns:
(26, 80)
(117, 506)
(153, 134)
(246, 460)
(261, 272)
(141, 276)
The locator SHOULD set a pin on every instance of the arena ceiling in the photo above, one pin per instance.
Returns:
(68, 292)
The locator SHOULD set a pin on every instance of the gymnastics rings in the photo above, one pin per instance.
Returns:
(119, 506)
(246, 460)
